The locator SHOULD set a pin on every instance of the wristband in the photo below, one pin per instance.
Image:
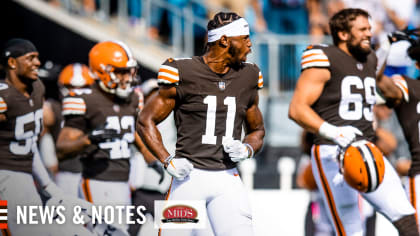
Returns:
(250, 150)
(327, 130)
(167, 161)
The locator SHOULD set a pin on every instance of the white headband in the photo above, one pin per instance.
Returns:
(236, 28)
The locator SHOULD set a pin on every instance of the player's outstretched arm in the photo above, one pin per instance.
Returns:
(392, 89)
(147, 155)
(71, 141)
(155, 111)
(255, 130)
(308, 89)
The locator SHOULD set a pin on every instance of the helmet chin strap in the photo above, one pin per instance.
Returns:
(123, 93)
(105, 88)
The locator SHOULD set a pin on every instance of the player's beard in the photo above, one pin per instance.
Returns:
(358, 51)
(234, 52)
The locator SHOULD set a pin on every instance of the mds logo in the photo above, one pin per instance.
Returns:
(180, 214)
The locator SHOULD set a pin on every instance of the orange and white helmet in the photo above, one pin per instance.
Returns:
(363, 166)
(107, 57)
(74, 76)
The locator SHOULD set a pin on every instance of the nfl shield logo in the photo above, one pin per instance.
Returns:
(359, 66)
(116, 108)
(222, 85)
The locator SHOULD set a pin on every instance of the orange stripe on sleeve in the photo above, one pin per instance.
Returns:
(312, 54)
(167, 79)
(315, 60)
(74, 109)
(168, 71)
(76, 103)
(327, 191)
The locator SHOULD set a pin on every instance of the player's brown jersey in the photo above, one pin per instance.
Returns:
(20, 132)
(209, 108)
(408, 114)
(92, 109)
(69, 164)
(348, 97)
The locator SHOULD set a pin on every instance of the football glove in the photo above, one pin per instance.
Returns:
(179, 168)
(341, 135)
(237, 150)
(103, 135)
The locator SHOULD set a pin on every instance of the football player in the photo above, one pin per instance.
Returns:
(99, 125)
(334, 98)
(406, 102)
(21, 99)
(69, 169)
(212, 96)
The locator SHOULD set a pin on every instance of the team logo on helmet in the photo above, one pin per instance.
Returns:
(362, 165)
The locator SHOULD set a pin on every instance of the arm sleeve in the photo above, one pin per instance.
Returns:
(168, 73)
(3, 105)
(314, 57)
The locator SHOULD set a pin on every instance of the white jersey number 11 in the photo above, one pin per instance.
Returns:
(211, 101)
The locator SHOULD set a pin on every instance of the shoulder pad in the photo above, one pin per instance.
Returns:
(3, 86)
(168, 73)
(314, 56)
(73, 106)
(3, 105)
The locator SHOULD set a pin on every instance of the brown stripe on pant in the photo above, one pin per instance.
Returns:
(328, 194)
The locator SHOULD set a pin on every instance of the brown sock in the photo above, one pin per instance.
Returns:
(407, 226)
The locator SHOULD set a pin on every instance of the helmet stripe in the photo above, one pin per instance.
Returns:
(126, 50)
(370, 167)
(376, 167)
(359, 148)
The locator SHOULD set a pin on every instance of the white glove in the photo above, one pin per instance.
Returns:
(237, 150)
(179, 168)
(342, 135)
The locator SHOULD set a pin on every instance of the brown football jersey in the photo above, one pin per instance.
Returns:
(348, 97)
(20, 132)
(408, 114)
(209, 107)
(91, 109)
(70, 164)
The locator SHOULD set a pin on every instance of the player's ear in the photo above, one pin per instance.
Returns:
(418, 65)
(11, 63)
(224, 41)
(343, 35)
